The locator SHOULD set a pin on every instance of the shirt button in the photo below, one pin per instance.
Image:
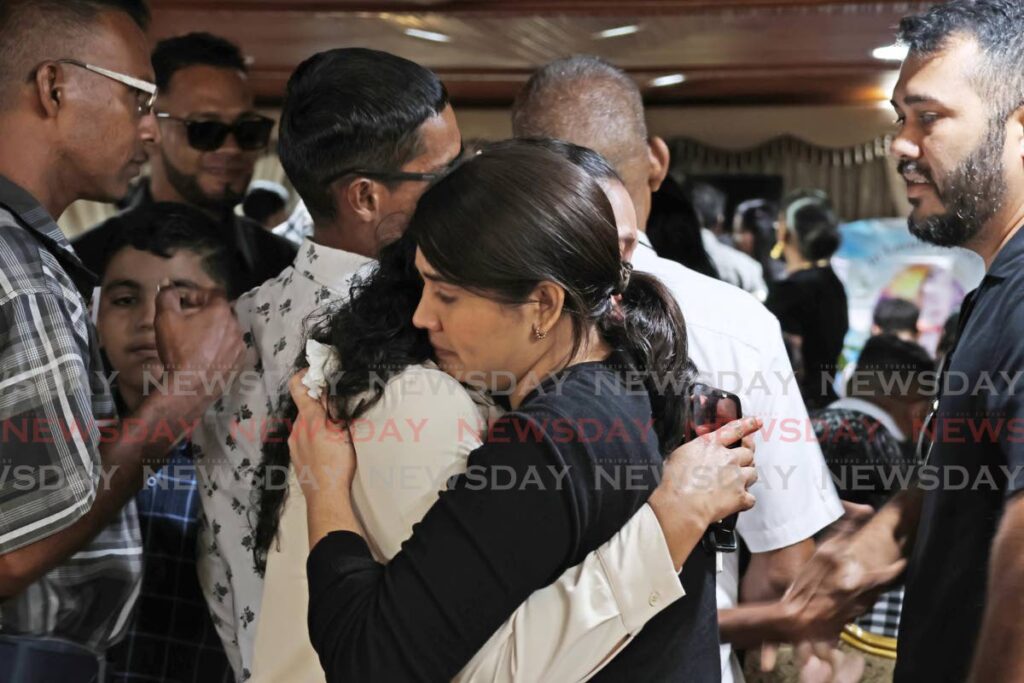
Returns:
(653, 600)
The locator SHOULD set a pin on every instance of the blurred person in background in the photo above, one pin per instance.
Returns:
(810, 302)
(868, 441)
(753, 233)
(266, 203)
(896, 316)
(734, 266)
(673, 229)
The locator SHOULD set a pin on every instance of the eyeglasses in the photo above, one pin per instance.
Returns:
(396, 176)
(251, 132)
(146, 91)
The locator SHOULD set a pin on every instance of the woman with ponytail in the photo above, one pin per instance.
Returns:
(512, 283)
(810, 302)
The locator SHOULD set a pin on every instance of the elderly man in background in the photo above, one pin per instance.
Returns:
(734, 341)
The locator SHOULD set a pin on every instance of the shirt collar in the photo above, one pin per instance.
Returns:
(326, 266)
(30, 211)
(644, 257)
(42, 225)
(871, 410)
(642, 238)
(1010, 258)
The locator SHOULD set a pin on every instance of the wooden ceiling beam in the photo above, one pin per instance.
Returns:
(521, 7)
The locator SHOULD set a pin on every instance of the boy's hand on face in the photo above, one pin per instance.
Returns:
(199, 342)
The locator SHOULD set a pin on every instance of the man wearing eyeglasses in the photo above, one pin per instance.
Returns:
(210, 139)
(361, 174)
(76, 96)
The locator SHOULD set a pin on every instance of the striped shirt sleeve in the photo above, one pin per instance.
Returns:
(49, 459)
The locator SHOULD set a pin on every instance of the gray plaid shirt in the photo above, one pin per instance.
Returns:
(55, 406)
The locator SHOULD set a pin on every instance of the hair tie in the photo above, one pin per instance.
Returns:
(625, 271)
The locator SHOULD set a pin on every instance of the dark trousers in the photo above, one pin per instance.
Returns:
(30, 659)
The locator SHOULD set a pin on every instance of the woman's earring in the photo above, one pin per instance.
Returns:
(537, 332)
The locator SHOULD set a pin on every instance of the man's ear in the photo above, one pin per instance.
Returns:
(1017, 131)
(362, 199)
(657, 159)
(50, 91)
(550, 300)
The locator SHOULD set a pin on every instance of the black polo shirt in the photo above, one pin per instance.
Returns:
(977, 463)
(258, 254)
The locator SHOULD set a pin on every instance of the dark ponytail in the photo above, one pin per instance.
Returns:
(647, 327)
(547, 219)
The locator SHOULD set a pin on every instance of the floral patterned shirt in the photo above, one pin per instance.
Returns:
(228, 445)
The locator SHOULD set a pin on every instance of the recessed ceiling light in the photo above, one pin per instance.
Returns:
(617, 31)
(890, 53)
(428, 35)
(671, 79)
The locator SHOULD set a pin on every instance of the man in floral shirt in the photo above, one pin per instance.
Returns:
(360, 175)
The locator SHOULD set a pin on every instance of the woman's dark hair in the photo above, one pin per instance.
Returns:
(590, 162)
(674, 229)
(757, 216)
(373, 332)
(560, 230)
(812, 220)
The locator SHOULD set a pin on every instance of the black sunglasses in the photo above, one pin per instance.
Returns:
(251, 132)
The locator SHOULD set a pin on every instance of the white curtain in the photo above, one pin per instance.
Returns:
(861, 179)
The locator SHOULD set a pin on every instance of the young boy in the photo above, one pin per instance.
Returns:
(171, 637)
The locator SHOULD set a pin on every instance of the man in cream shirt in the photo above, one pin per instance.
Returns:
(734, 341)
(576, 624)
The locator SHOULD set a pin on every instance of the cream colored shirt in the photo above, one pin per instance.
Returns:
(407, 446)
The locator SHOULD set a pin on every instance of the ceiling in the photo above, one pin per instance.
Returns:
(731, 52)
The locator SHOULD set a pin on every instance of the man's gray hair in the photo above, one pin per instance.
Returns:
(585, 100)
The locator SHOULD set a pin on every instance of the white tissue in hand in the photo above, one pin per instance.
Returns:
(323, 362)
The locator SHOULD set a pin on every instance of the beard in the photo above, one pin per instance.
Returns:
(972, 194)
(188, 187)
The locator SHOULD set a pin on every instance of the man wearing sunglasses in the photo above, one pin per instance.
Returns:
(76, 96)
(210, 138)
